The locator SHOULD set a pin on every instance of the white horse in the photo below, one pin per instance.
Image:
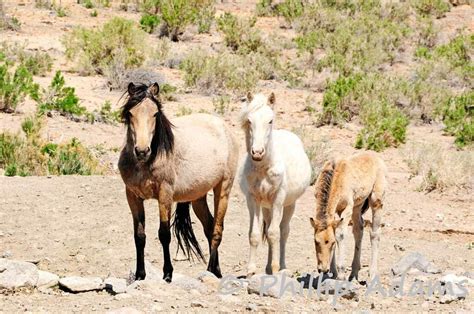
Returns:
(275, 174)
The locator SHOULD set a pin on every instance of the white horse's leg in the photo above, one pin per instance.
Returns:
(284, 232)
(376, 204)
(254, 234)
(274, 231)
(358, 231)
(267, 217)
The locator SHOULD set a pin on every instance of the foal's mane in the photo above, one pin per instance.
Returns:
(258, 102)
(163, 139)
(323, 189)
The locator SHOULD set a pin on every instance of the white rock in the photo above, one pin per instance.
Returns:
(457, 279)
(81, 284)
(116, 285)
(47, 279)
(188, 283)
(16, 274)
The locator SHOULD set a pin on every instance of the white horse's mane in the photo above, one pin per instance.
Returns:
(258, 102)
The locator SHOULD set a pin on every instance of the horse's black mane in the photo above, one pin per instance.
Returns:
(163, 139)
(323, 189)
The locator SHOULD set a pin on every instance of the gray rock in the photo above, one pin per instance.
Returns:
(188, 283)
(275, 286)
(6, 254)
(116, 285)
(251, 307)
(47, 279)
(452, 278)
(81, 284)
(152, 273)
(209, 279)
(414, 259)
(16, 274)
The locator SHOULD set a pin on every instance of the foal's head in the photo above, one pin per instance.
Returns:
(257, 120)
(325, 240)
(149, 131)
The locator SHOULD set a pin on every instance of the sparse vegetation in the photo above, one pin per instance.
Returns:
(61, 98)
(221, 104)
(149, 22)
(438, 168)
(31, 155)
(37, 63)
(436, 8)
(183, 111)
(458, 116)
(15, 85)
(95, 50)
(239, 34)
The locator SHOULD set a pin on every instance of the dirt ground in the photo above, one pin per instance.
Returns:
(75, 225)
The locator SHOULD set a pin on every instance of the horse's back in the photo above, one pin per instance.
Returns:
(206, 153)
(297, 165)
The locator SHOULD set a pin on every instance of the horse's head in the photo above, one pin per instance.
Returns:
(257, 120)
(324, 240)
(148, 128)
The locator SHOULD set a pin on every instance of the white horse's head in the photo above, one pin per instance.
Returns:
(257, 121)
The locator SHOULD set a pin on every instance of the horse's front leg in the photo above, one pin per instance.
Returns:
(285, 232)
(138, 213)
(165, 200)
(274, 232)
(341, 234)
(254, 233)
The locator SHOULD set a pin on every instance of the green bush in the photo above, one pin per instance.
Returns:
(436, 8)
(204, 17)
(291, 9)
(265, 8)
(94, 50)
(14, 87)
(458, 116)
(239, 34)
(149, 22)
(37, 63)
(221, 73)
(384, 126)
(34, 156)
(61, 98)
(177, 14)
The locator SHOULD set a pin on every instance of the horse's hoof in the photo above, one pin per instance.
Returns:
(140, 275)
(167, 277)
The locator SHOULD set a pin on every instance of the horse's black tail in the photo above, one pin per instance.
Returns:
(183, 231)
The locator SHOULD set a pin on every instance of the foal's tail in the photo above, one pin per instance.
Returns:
(183, 231)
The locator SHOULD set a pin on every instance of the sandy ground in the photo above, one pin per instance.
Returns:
(82, 225)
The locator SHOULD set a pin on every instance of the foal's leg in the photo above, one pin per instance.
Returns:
(376, 205)
(267, 218)
(165, 199)
(358, 231)
(204, 215)
(221, 200)
(341, 234)
(274, 231)
(284, 232)
(138, 214)
(254, 234)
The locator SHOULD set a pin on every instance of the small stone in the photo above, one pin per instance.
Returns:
(251, 307)
(81, 284)
(115, 285)
(6, 254)
(122, 296)
(47, 279)
(414, 259)
(16, 274)
(198, 304)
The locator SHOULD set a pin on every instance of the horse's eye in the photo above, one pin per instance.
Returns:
(271, 122)
(327, 241)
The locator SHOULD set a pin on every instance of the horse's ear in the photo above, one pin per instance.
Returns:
(249, 97)
(154, 89)
(314, 223)
(271, 100)
(337, 222)
(131, 88)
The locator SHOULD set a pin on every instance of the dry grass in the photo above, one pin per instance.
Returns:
(438, 168)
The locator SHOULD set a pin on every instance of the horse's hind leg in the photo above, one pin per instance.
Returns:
(204, 215)
(138, 214)
(376, 204)
(221, 200)
(284, 232)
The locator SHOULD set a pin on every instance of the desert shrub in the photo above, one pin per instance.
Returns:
(352, 42)
(458, 116)
(106, 114)
(317, 152)
(221, 104)
(15, 85)
(439, 168)
(436, 8)
(61, 98)
(220, 73)
(150, 6)
(94, 50)
(383, 126)
(205, 16)
(149, 22)
(458, 53)
(265, 8)
(239, 34)
(37, 63)
(183, 111)
(31, 155)
(88, 4)
(8, 22)
(291, 9)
